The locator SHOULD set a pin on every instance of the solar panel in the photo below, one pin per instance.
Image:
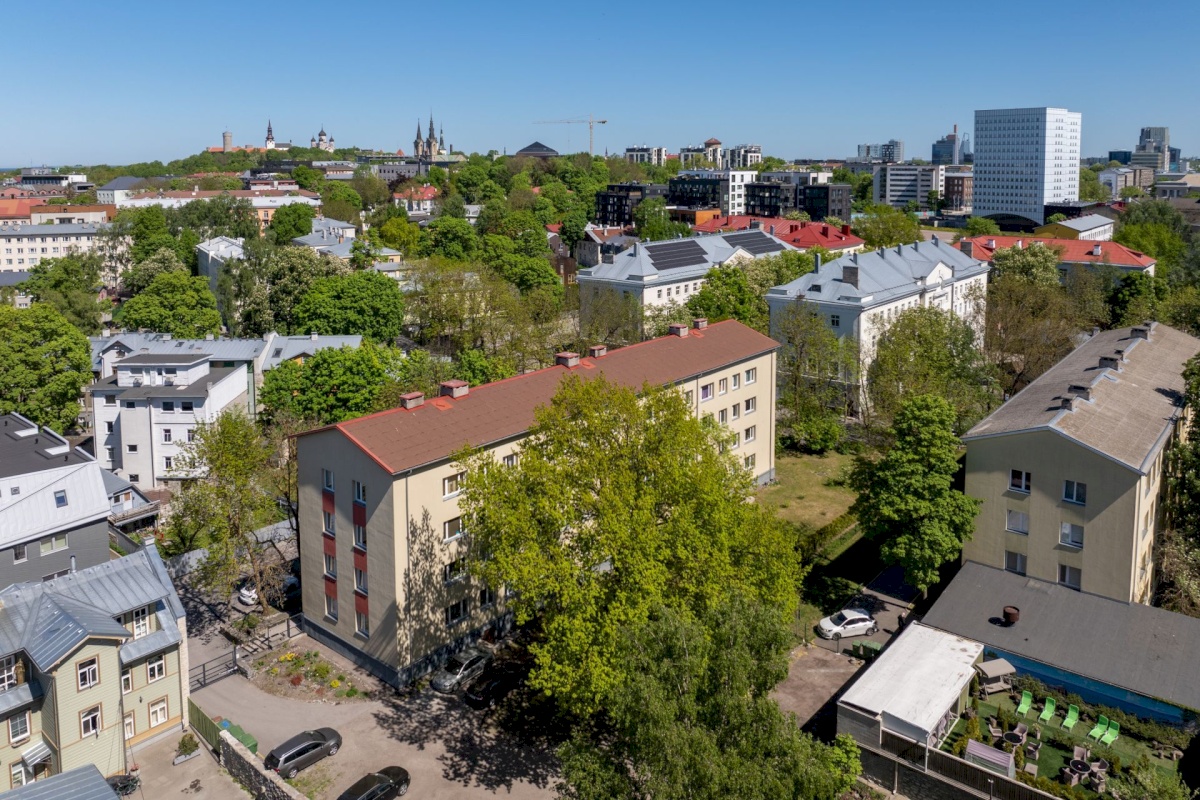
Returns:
(756, 243)
(672, 255)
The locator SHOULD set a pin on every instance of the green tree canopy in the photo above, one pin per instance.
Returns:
(45, 362)
(726, 294)
(289, 272)
(365, 303)
(452, 238)
(1136, 298)
(654, 224)
(884, 226)
(175, 303)
(335, 384)
(817, 369)
(1036, 264)
(292, 221)
(400, 234)
(906, 502)
(137, 278)
(656, 514)
(71, 285)
(1030, 328)
(981, 226)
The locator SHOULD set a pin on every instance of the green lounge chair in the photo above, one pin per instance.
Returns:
(1099, 730)
(1026, 703)
(1114, 730)
(1047, 712)
(1071, 718)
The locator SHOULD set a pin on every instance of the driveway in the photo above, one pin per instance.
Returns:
(451, 751)
(200, 778)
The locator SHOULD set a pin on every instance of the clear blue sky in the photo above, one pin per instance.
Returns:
(160, 80)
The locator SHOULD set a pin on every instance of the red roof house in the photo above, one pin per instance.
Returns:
(798, 233)
(1072, 251)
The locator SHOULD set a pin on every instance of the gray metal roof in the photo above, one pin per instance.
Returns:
(159, 343)
(285, 348)
(25, 448)
(164, 358)
(123, 183)
(19, 697)
(114, 483)
(682, 259)
(58, 624)
(54, 230)
(13, 278)
(82, 783)
(1086, 223)
(184, 391)
(1128, 645)
(166, 636)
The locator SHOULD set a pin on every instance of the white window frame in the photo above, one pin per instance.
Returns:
(20, 553)
(487, 597)
(751, 405)
(707, 393)
(749, 461)
(360, 493)
(130, 725)
(17, 774)
(464, 609)
(750, 434)
(362, 624)
(327, 479)
(1010, 525)
(331, 566)
(127, 680)
(455, 571)
(1021, 562)
(737, 381)
(1020, 481)
(751, 375)
(329, 522)
(13, 736)
(1064, 572)
(1067, 535)
(1075, 492)
(141, 622)
(723, 386)
(92, 717)
(8, 673)
(87, 673)
(360, 537)
(452, 486)
(156, 668)
(449, 525)
(165, 716)
(360, 581)
(331, 607)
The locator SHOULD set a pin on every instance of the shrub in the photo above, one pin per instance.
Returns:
(352, 692)
(296, 680)
(248, 623)
(288, 656)
(273, 671)
(972, 730)
(187, 745)
(321, 671)
(335, 683)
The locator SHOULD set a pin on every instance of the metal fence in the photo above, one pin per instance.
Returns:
(212, 670)
(208, 730)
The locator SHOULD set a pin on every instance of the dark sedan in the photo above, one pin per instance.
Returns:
(303, 750)
(387, 784)
(491, 687)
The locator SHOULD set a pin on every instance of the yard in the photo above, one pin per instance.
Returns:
(808, 490)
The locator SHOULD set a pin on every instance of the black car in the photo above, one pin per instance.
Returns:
(387, 784)
(303, 750)
(491, 687)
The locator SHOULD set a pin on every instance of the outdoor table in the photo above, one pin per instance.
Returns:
(1013, 738)
(1080, 767)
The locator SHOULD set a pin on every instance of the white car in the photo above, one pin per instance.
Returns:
(847, 622)
(248, 595)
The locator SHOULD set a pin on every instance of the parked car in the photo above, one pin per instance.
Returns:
(847, 622)
(492, 686)
(303, 750)
(459, 669)
(248, 594)
(387, 784)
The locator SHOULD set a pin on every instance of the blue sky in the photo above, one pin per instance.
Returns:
(162, 80)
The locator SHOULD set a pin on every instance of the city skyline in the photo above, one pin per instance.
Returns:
(486, 82)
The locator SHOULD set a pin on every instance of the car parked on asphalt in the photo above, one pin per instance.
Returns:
(847, 622)
(492, 686)
(248, 594)
(303, 750)
(387, 784)
(459, 669)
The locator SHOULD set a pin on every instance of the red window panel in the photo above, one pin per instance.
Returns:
(360, 560)
(330, 586)
(360, 603)
(327, 502)
(360, 514)
(329, 545)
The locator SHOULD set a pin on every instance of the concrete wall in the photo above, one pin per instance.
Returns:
(246, 769)
(87, 546)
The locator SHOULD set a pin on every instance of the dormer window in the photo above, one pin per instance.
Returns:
(8, 673)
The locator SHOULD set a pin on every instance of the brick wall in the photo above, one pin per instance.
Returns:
(246, 768)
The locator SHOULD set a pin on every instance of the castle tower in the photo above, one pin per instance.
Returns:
(227, 141)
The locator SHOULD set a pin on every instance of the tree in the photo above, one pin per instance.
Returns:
(476, 368)
(1090, 187)
(656, 516)
(906, 502)
(654, 224)
(175, 303)
(1132, 192)
(364, 251)
(1155, 239)
(981, 226)
(453, 206)
(884, 226)
(289, 272)
(292, 221)
(799, 216)
(452, 238)
(1036, 264)
(1135, 298)
(1147, 780)
(71, 285)
(400, 234)
(45, 362)
(926, 350)
(692, 717)
(148, 232)
(136, 279)
(308, 178)
(1053, 218)
(817, 370)
(365, 303)
(335, 384)
(726, 294)
(372, 189)
(1030, 328)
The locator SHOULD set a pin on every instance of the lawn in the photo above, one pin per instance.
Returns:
(803, 493)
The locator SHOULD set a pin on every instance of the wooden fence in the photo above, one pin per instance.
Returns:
(209, 731)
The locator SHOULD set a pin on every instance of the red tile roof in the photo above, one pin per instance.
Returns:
(109, 209)
(401, 439)
(796, 233)
(203, 193)
(426, 192)
(554, 227)
(1074, 251)
(19, 208)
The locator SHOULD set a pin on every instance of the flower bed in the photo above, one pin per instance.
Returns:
(304, 675)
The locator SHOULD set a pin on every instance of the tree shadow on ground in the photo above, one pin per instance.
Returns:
(204, 615)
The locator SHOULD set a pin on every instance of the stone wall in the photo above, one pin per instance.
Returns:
(247, 769)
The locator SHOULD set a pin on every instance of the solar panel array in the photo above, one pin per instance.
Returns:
(755, 242)
(672, 255)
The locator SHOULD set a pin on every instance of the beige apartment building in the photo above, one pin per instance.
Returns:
(1070, 469)
(92, 665)
(381, 547)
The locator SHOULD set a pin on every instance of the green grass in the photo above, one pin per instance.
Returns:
(803, 492)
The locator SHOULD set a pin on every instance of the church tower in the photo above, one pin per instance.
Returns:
(418, 151)
(270, 143)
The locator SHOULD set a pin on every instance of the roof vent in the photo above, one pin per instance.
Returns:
(1139, 333)
(412, 400)
(566, 359)
(1012, 615)
(850, 275)
(1080, 390)
(700, 323)
(1068, 402)
(1110, 362)
(597, 351)
(1096, 249)
(678, 329)
(454, 389)
(991, 244)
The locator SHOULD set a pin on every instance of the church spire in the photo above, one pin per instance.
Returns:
(431, 136)
(270, 133)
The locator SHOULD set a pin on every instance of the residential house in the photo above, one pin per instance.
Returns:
(1118, 178)
(119, 189)
(1182, 186)
(24, 246)
(326, 231)
(418, 201)
(958, 197)
(1090, 227)
(381, 545)
(213, 254)
(265, 202)
(93, 665)
(10, 288)
(53, 504)
(18, 210)
(130, 511)
(71, 215)
(1072, 252)
(898, 185)
(601, 243)
(614, 206)
(802, 235)
(1070, 469)
(711, 188)
(642, 154)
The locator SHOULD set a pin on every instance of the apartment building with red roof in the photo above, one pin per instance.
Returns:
(1073, 252)
(800, 234)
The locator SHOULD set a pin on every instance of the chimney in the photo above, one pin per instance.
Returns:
(412, 400)
(700, 323)
(1080, 390)
(1097, 250)
(1012, 615)
(1151, 324)
(967, 247)
(1110, 362)
(1139, 333)
(565, 359)
(825, 231)
(846, 230)
(850, 275)
(597, 351)
(678, 329)
(756, 224)
(1068, 402)
(772, 230)
(454, 389)
(1020, 243)
(991, 244)
(816, 262)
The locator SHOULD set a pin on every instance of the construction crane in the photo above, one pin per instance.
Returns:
(591, 122)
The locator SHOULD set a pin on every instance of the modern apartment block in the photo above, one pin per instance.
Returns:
(54, 506)
(890, 152)
(24, 246)
(92, 666)
(707, 188)
(381, 547)
(959, 193)
(655, 156)
(1070, 469)
(743, 156)
(948, 149)
(771, 197)
(1025, 158)
(615, 205)
(1153, 149)
(898, 185)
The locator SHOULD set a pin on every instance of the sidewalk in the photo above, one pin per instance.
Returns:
(200, 778)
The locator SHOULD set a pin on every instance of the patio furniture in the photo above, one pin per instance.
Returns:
(1014, 738)
(995, 676)
(1097, 782)
(1099, 767)
(1100, 729)
(1081, 753)
(1031, 768)
(995, 731)
(1071, 718)
(1048, 712)
(1026, 703)
(1114, 731)
(1068, 776)
(1022, 729)
(1032, 751)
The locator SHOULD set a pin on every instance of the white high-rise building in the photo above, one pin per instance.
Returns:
(1024, 159)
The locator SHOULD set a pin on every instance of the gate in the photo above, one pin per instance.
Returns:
(213, 670)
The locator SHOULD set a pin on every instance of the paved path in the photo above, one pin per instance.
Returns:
(200, 778)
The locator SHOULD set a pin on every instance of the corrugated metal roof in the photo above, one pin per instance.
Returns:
(84, 783)
(638, 262)
(35, 511)
(37, 752)
(58, 624)
(166, 636)
(285, 348)
(19, 696)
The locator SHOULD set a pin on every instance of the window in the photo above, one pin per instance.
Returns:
(360, 493)
(168, 463)
(722, 416)
(360, 581)
(1071, 535)
(751, 375)
(835, 321)
(331, 565)
(110, 399)
(130, 404)
(1075, 492)
(191, 435)
(723, 386)
(109, 427)
(1019, 481)
(751, 404)
(134, 477)
(452, 529)
(456, 570)
(737, 380)
(60, 499)
(1014, 562)
(88, 673)
(510, 460)
(360, 537)
(19, 554)
(168, 406)
(158, 713)
(749, 461)
(156, 669)
(130, 726)
(452, 485)
(737, 410)
(689, 397)
(327, 479)
(750, 433)
(18, 774)
(126, 681)
(166, 435)
(1071, 577)
(89, 722)
(329, 520)
(8, 673)
(18, 727)
(457, 612)
(331, 607)
(131, 448)
(141, 622)
(362, 625)
(1017, 522)
(706, 392)
(54, 543)
(186, 405)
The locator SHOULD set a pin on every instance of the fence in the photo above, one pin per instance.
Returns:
(213, 670)
(208, 730)
(984, 781)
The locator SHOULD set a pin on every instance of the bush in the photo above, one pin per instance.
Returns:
(187, 745)
(321, 671)
(249, 622)
(972, 730)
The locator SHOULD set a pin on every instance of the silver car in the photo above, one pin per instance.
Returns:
(847, 622)
(459, 669)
